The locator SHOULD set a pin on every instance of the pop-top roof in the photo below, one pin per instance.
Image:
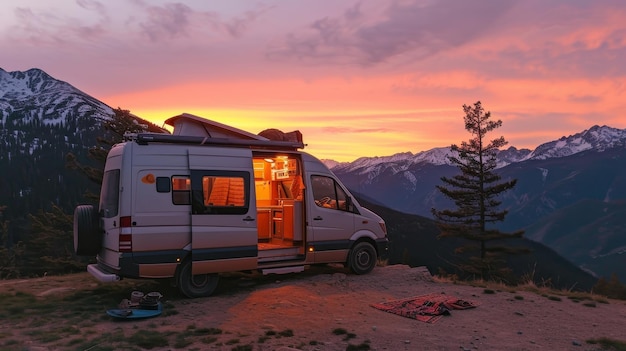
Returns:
(189, 125)
(193, 129)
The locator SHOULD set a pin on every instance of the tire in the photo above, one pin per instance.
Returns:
(201, 285)
(362, 258)
(87, 232)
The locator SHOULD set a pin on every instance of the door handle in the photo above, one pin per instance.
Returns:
(248, 219)
(318, 218)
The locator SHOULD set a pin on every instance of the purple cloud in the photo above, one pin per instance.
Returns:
(174, 20)
(170, 21)
(413, 28)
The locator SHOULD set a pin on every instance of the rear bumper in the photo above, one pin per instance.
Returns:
(101, 275)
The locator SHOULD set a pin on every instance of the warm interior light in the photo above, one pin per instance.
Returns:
(269, 160)
(311, 249)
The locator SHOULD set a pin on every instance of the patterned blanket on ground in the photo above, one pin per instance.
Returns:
(426, 308)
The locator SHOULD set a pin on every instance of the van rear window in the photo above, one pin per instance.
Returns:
(110, 194)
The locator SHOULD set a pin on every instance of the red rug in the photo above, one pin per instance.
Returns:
(426, 308)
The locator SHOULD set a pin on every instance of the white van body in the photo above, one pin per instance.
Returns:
(211, 199)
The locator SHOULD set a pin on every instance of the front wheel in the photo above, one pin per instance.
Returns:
(362, 258)
(200, 285)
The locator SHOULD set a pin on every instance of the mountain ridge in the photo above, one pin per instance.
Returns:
(598, 138)
(30, 94)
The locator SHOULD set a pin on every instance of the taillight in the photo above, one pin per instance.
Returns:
(125, 222)
(383, 227)
(126, 237)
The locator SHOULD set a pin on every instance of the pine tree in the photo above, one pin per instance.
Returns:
(121, 122)
(10, 253)
(475, 194)
(50, 247)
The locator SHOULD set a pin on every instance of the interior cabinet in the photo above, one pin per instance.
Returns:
(264, 224)
(277, 222)
(288, 222)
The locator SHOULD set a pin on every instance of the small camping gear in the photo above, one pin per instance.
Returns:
(139, 305)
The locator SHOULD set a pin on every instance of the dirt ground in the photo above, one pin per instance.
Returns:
(319, 303)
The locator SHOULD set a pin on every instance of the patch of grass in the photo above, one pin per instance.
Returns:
(518, 297)
(609, 344)
(601, 300)
(242, 348)
(349, 336)
(342, 331)
(210, 331)
(270, 333)
(489, 291)
(11, 342)
(339, 331)
(182, 341)
(98, 347)
(286, 333)
(262, 339)
(45, 336)
(148, 339)
(208, 340)
(232, 342)
(589, 304)
(74, 342)
(554, 298)
(19, 305)
(313, 342)
(360, 347)
(103, 342)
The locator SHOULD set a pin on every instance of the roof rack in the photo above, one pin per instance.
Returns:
(146, 138)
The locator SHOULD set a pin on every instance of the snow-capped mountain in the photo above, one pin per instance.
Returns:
(595, 138)
(35, 96)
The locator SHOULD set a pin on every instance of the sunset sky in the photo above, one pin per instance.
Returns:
(357, 78)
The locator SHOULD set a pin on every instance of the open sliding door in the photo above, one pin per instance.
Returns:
(223, 218)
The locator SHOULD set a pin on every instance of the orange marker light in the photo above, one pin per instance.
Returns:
(148, 178)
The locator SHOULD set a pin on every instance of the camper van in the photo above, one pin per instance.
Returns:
(210, 199)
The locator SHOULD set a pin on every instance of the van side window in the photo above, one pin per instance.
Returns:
(110, 194)
(163, 184)
(181, 190)
(328, 194)
(220, 192)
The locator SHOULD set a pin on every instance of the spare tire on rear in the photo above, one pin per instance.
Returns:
(87, 232)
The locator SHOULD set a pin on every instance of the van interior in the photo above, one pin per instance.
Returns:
(280, 206)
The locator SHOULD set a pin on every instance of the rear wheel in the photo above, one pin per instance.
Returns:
(200, 285)
(362, 258)
(87, 232)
